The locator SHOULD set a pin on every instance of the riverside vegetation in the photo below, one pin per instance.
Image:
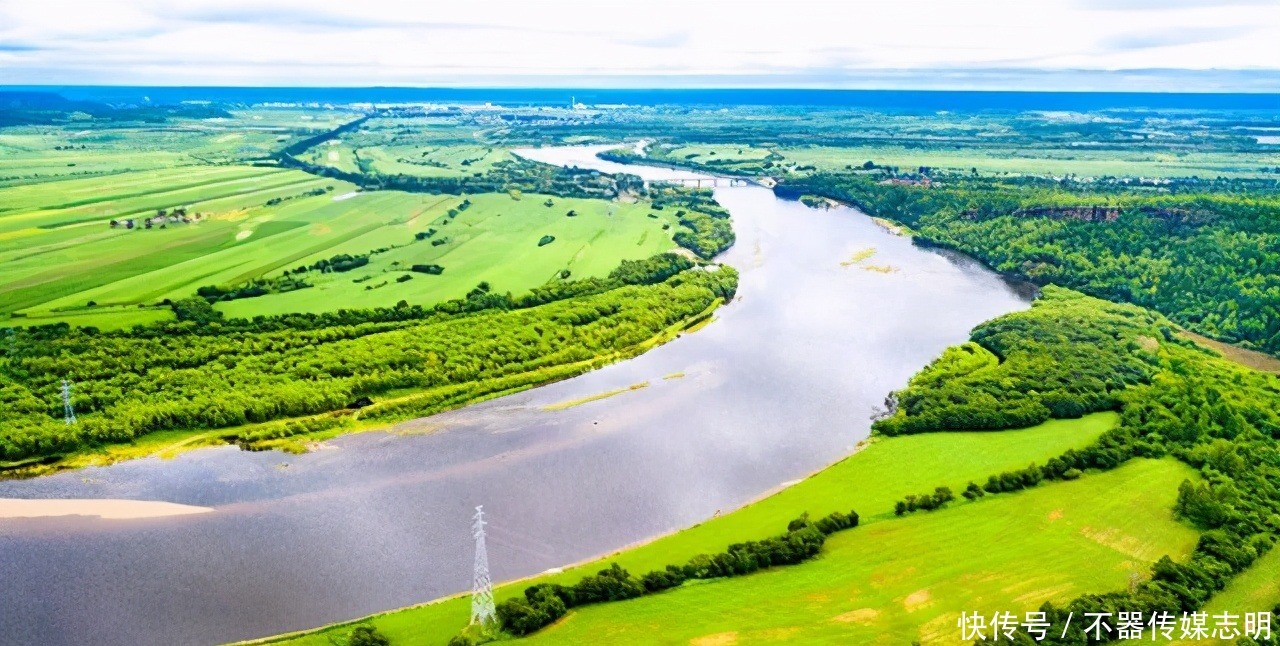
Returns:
(315, 370)
(1176, 400)
(1180, 484)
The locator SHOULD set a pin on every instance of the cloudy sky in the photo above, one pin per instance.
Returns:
(832, 43)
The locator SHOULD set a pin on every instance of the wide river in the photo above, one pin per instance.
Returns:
(782, 383)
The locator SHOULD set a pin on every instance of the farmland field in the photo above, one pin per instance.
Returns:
(39, 153)
(59, 252)
(989, 160)
(417, 146)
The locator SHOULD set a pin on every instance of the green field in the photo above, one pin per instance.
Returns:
(33, 154)
(58, 253)
(895, 582)
(1255, 590)
(1126, 532)
(411, 145)
(495, 240)
(400, 159)
(1079, 161)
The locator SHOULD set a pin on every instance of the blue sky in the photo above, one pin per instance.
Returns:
(1031, 44)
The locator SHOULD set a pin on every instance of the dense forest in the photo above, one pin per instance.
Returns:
(1204, 253)
(203, 372)
(1071, 354)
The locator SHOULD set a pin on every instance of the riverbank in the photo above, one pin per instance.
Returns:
(390, 411)
(869, 481)
(106, 509)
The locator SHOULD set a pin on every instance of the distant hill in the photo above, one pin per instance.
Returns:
(48, 108)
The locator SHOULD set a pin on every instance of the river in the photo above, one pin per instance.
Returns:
(782, 383)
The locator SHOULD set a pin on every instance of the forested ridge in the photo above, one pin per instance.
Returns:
(1071, 354)
(1204, 253)
(206, 373)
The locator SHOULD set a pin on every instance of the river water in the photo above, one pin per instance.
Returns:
(782, 383)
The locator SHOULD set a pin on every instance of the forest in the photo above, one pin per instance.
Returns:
(204, 372)
(1206, 253)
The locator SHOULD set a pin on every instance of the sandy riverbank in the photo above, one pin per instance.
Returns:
(107, 509)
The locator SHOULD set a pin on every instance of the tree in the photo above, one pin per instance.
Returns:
(367, 635)
(195, 309)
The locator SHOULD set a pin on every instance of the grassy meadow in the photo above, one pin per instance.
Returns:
(906, 580)
(1255, 590)
(1048, 543)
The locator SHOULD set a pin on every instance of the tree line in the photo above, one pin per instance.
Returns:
(544, 603)
(205, 372)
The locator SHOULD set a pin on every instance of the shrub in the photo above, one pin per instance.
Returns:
(366, 635)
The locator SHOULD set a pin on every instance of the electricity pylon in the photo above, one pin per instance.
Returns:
(68, 413)
(482, 610)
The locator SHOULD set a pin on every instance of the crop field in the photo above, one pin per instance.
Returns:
(422, 160)
(1079, 161)
(495, 240)
(59, 254)
(1078, 532)
(40, 154)
(421, 146)
(32, 154)
(58, 250)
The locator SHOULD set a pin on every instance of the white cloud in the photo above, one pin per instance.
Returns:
(316, 42)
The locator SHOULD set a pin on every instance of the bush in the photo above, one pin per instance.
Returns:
(195, 309)
(428, 269)
(366, 635)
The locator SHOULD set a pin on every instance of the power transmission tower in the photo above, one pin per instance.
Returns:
(68, 413)
(482, 611)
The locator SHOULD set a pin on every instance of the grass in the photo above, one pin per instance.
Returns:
(1050, 159)
(895, 582)
(869, 481)
(495, 240)
(1047, 161)
(565, 405)
(373, 152)
(1257, 589)
(58, 254)
(1243, 356)
(859, 256)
